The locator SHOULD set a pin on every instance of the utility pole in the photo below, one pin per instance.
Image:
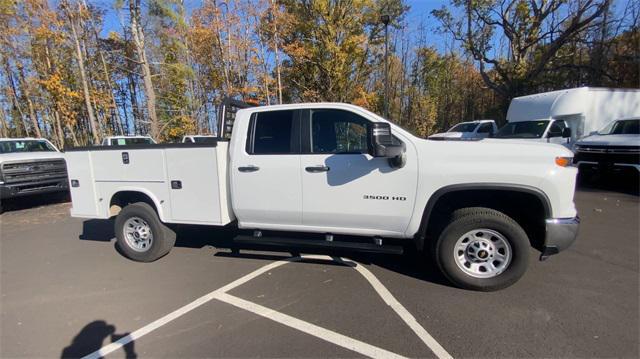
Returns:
(385, 19)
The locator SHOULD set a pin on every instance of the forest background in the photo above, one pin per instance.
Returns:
(76, 71)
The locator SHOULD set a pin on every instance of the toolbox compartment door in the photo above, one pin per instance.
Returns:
(81, 184)
(194, 185)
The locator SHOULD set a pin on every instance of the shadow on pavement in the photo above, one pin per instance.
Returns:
(412, 263)
(91, 338)
(25, 202)
(626, 182)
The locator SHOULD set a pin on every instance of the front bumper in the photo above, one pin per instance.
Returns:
(31, 188)
(560, 234)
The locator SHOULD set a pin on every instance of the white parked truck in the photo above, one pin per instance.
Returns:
(468, 130)
(30, 166)
(330, 171)
(566, 116)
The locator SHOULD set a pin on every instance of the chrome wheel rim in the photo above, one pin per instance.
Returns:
(138, 235)
(482, 253)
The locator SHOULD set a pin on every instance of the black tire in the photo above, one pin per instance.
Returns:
(469, 219)
(163, 237)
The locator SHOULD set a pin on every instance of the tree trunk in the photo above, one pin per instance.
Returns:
(138, 39)
(14, 98)
(27, 96)
(4, 131)
(93, 125)
(275, 49)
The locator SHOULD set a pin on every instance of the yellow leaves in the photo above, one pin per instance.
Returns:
(178, 127)
(64, 98)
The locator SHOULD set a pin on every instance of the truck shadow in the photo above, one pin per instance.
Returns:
(627, 182)
(26, 202)
(412, 263)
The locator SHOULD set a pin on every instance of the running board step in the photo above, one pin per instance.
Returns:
(313, 243)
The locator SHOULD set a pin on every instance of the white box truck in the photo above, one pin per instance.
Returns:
(331, 170)
(584, 110)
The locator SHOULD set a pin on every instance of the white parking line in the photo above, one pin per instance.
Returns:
(311, 329)
(319, 332)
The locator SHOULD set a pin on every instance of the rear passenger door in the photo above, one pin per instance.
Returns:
(266, 179)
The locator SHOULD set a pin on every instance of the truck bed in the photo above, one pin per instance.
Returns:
(186, 182)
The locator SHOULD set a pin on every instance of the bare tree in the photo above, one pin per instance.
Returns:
(137, 34)
(93, 123)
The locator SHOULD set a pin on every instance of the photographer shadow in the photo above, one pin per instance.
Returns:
(91, 338)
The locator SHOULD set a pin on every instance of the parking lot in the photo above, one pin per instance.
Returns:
(66, 291)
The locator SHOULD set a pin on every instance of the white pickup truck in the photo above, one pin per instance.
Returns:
(335, 171)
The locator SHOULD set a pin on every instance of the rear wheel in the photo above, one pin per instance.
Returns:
(482, 249)
(140, 234)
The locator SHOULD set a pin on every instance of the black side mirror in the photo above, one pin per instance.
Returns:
(566, 132)
(381, 141)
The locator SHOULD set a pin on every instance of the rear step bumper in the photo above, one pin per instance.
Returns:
(312, 243)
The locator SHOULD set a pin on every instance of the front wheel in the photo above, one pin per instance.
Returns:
(482, 249)
(141, 235)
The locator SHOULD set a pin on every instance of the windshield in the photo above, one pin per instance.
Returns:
(25, 146)
(524, 129)
(464, 127)
(205, 139)
(130, 141)
(622, 127)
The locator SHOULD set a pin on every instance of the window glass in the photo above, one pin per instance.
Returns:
(204, 140)
(272, 132)
(485, 128)
(622, 127)
(336, 131)
(25, 146)
(523, 129)
(557, 127)
(464, 127)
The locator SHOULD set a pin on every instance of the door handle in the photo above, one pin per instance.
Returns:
(250, 168)
(315, 169)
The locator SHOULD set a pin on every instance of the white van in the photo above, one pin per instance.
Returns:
(544, 116)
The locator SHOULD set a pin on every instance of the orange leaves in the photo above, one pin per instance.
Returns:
(66, 100)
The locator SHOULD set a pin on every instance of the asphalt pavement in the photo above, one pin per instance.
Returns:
(66, 291)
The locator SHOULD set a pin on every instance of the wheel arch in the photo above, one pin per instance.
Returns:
(128, 195)
(499, 196)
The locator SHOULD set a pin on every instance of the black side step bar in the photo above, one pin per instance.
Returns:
(314, 243)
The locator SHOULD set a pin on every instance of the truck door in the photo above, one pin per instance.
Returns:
(345, 187)
(266, 180)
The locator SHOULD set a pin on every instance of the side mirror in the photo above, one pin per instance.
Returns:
(381, 141)
(566, 132)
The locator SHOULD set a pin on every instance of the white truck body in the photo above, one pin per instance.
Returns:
(584, 110)
(202, 170)
(319, 186)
